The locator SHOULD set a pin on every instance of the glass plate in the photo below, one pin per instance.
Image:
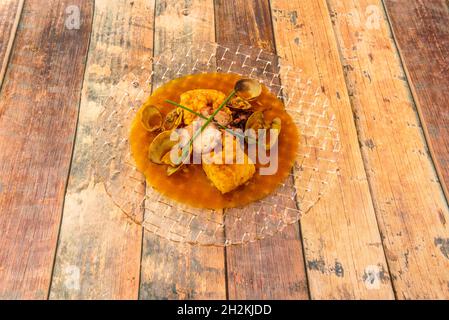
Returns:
(314, 170)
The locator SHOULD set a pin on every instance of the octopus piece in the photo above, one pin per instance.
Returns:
(223, 117)
(239, 119)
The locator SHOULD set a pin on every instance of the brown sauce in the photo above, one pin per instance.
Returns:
(191, 185)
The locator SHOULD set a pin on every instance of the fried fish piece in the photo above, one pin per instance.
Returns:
(227, 177)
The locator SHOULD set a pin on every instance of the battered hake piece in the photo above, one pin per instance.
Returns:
(227, 177)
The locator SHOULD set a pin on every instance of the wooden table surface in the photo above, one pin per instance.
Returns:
(381, 232)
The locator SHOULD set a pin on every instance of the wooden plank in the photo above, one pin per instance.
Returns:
(172, 270)
(408, 199)
(421, 29)
(10, 11)
(99, 250)
(38, 114)
(342, 243)
(272, 268)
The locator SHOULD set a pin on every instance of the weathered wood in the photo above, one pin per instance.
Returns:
(38, 114)
(421, 29)
(99, 250)
(342, 243)
(10, 11)
(172, 270)
(410, 206)
(272, 268)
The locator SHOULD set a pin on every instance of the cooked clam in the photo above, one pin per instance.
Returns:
(255, 122)
(276, 126)
(239, 103)
(248, 89)
(183, 158)
(151, 118)
(173, 119)
(166, 159)
(160, 146)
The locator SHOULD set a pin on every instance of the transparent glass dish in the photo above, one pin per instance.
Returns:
(314, 170)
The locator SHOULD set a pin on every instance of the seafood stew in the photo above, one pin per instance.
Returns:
(205, 116)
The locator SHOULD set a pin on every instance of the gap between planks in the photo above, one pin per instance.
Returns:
(12, 37)
(38, 187)
(337, 229)
(415, 262)
(357, 125)
(272, 268)
(416, 100)
(175, 270)
(73, 151)
(105, 260)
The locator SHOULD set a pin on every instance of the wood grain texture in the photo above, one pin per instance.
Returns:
(408, 198)
(38, 115)
(172, 270)
(99, 250)
(342, 243)
(272, 268)
(10, 12)
(421, 29)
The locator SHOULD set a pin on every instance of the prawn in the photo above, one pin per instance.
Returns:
(200, 99)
